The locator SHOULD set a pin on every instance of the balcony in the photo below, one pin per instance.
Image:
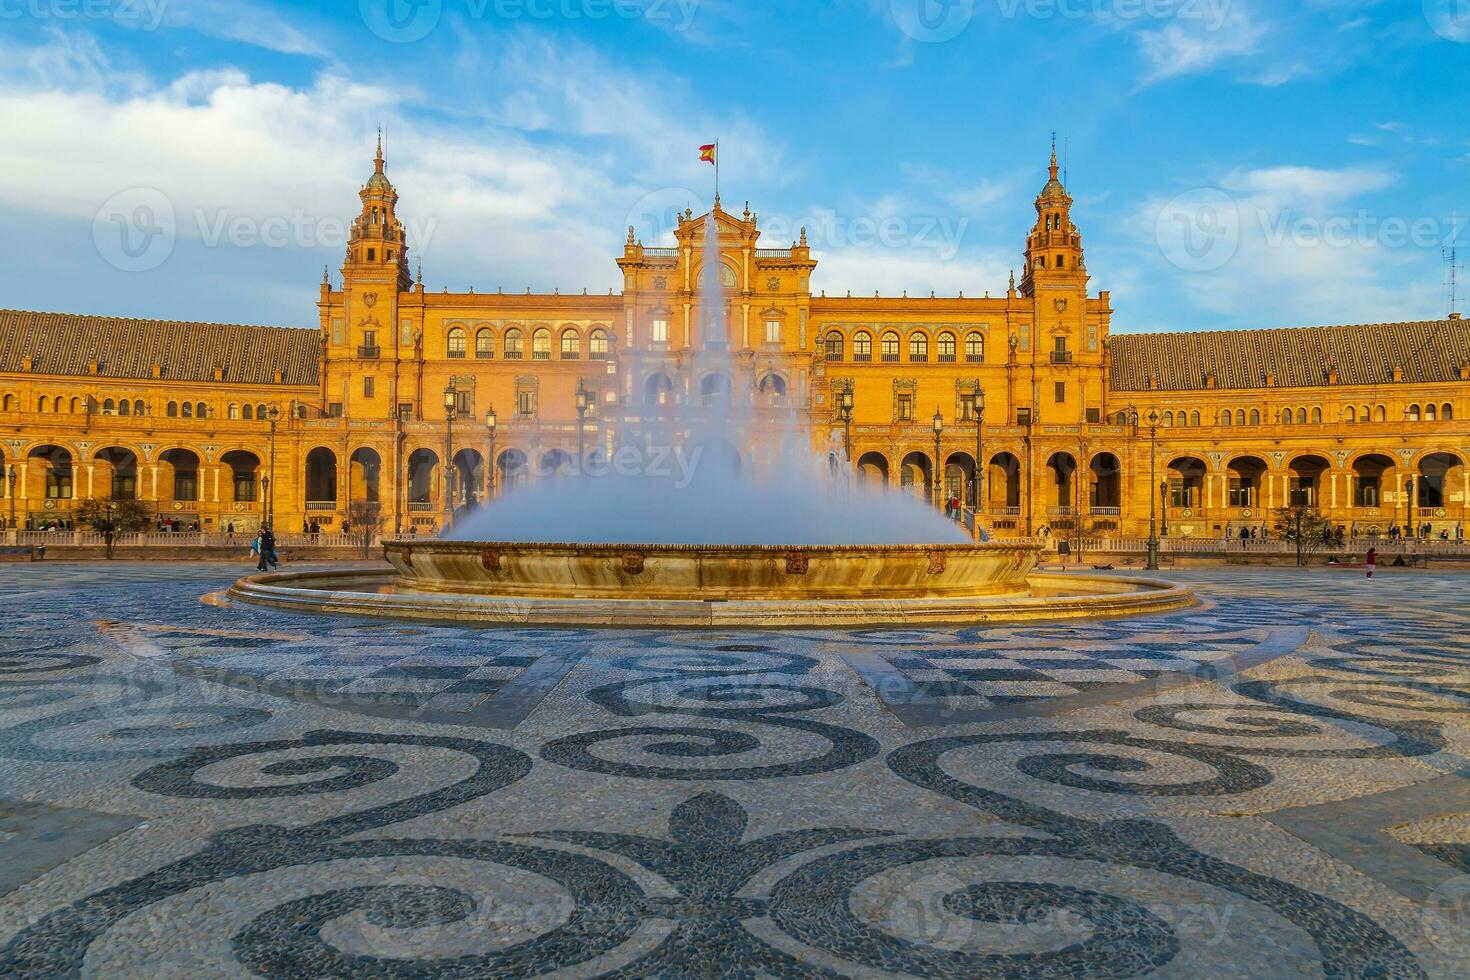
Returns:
(1106, 511)
(370, 353)
(423, 507)
(321, 505)
(1061, 357)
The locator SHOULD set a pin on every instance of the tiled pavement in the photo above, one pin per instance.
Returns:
(1273, 784)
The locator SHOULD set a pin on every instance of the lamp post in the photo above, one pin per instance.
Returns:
(938, 463)
(583, 403)
(1164, 508)
(844, 412)
(274, 417)
(979, 453)
(1409, 491)
(490, 422)
(449, 414)
(1153, 505)
(109, 529)
(11, 479)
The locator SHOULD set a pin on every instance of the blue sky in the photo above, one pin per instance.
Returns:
(1236, 163)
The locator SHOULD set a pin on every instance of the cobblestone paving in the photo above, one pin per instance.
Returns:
(1272, 784)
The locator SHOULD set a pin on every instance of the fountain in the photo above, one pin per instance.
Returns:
(678, 517)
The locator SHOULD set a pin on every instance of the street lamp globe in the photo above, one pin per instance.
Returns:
(938, 423)
(490, 421)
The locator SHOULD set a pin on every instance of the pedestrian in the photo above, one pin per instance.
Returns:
(257, 549)
(230, 531)
(107, 538)
(268, 547)
(1372, 561)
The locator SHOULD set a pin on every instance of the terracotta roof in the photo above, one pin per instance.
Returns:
(66, 344)
(1299, 357)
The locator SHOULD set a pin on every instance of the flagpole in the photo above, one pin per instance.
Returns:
(717, 171)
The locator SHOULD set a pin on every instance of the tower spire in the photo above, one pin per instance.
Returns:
(378, 160)
(1054, 167)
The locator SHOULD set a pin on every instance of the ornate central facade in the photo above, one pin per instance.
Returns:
(1072, 428)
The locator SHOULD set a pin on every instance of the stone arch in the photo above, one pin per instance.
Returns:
(1373, 474)
(1105, 482)
(484, 343)
(469, 478)
(1304, 480)
(772, 389)
(959, 477)
(178, 476)
(1244, 475)
(365, 476)
(512, 471)
(1005, 489)
(872, 470)
(658, 389)
(1186, 478)
(244, 467)
(715, 389)
(1437, 479)
(916, 475)
(321, 476)
(1062, 469)
(424, 485)
(569, 344)
(118, 472)
(55, 466)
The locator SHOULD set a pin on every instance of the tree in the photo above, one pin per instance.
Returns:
(365, 516)
(127, 515)
(1306, 527)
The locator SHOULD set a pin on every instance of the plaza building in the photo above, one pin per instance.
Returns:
(1024, 404)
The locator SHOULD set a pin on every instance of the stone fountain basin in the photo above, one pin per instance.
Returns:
(707, 573)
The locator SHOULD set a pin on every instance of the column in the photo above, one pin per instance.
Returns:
(90, 468)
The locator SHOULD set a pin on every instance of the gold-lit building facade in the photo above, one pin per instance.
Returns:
(1076, 430)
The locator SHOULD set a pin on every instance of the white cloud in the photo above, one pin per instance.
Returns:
(247, 23)
(1190, 45)
(891, 272)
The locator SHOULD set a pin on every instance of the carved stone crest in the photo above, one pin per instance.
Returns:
(1060, 304)
(370, 299)
(660, 283)
(490, 560)
(938, 562)
(774, 285)
(633, 562)
(797, 564)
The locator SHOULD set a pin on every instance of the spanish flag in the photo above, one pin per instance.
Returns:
(707, 153)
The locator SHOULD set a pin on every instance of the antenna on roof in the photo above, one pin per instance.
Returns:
(1452, 259)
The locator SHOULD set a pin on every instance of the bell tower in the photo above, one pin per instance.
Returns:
(1054, 256)
(377, 249)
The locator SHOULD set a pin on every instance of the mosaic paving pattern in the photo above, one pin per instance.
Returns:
(1273, 784)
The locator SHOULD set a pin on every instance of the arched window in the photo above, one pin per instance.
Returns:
(60, 404)
(9, 403)
(43, 404)
(1447, 412)
(139, 408)
(1413, 413)
(835, 346)
(946, 348)
(599, 345)
(261, 412)
(1301, 416)
(1350, 414)
(862, 346)
(201, 411)
(109, 407)
(485, 344)
(247, 412)
(457, 343)
(234, 411)
(541, 345)
(975, 349)
(1168, 419)
(514, 344)
(1380, 414)
(1225, 418)
(1286, 416)
(125, 407)
(188, 410)
(1194, 420)
(890, 346)
(1255, 416)
(1431, 413)
(1317, 416)
(918, 347)
(173, 410)
(571, 345)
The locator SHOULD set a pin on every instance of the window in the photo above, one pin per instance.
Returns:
(526, 402)
(109, 407)
(1094, 416)
(1413, 413)
(369, 387)
(234, 412)
(405, 412)
(967, 408)
(261, 413)
(862, 346)
(457, 343)
(773, 332)
(1255, 416)
(1167, 420)
(514, 345)
(946, 348)
(835, 346)
(485, 344)
(124, 486)
(244, 486)
(334, 410)
(58, 485)
(1023, 416)
(571, 345)
(1179, 493)
(1447, 412)
(904, 409)
(1194, 420)
(975, 348)
(541, 345)
(919, 347)
(1225, 418)
(188, 410)
(1351, 414)
(201, 411)
(1366, 491)
(186, 485)
(173, 410)
(1242, 491)
(1316, 416)
(1286, 416)
(464, 402)
(125, 407)
(1302, 493)
(1380, 414)
(1431, 413)
(597, 345)
(890, 347)
(1061, 392)
(659, 332)
(247, 412)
